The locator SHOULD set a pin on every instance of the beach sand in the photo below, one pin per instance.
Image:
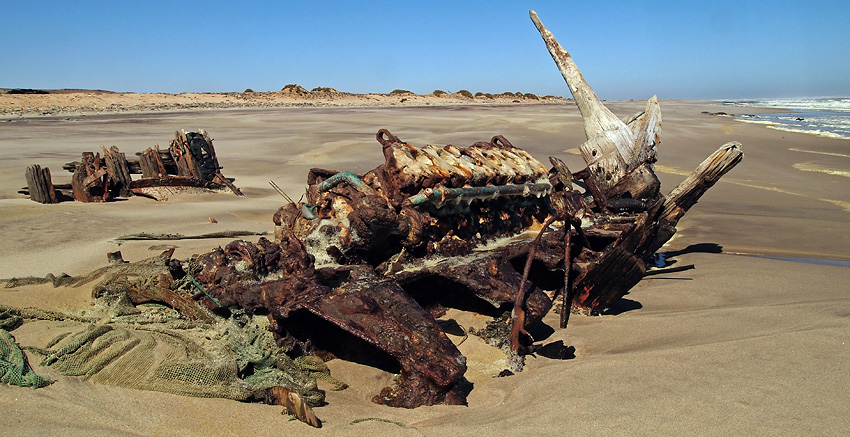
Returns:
(739, 345)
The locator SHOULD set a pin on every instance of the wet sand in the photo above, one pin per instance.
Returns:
(739, 345)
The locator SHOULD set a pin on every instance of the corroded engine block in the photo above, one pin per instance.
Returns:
(421, 201)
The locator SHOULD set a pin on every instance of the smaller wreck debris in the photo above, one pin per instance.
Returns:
(189, 163)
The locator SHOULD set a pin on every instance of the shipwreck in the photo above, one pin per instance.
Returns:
(367, 262)
(365, 254)
(189, 163)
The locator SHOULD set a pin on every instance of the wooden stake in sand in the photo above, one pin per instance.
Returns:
(40, 184)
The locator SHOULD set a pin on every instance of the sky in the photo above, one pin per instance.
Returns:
(627, 50)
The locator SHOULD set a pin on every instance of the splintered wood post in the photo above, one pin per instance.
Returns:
(151, 164)
(609, 140)
(646, 128)
(182, 154)
(563, 173)
(118, 171)
(40, 184)
(686, 194)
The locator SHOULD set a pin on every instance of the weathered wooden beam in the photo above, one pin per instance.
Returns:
(687, 193)
(209, 141)
(562, 174)
(40, 184)
(118, 171)
(609, 140)
(95, 178)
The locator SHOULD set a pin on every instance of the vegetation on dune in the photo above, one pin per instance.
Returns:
(400, 92)
(439, 93)
(466, 94)
(295, 89)
(26, 91)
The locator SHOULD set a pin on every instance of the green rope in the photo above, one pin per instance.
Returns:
(315, 367)
(378, 419)
(200, 287)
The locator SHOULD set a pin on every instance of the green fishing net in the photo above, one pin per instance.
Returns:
(14, 368)
(153, 349)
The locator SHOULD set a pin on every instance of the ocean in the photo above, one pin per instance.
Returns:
(826, 117)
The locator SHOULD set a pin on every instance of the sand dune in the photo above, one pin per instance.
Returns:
(75, 102)
(740, 345)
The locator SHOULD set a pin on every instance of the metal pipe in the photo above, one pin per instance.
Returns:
(347, 177)
(439, 196)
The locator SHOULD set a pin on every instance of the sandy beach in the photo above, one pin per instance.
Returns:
(749, 342)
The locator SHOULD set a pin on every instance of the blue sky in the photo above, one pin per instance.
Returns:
(627, 50)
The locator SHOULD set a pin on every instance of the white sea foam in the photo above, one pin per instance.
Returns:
(823, 104)
(820, 133)
(753, 121)
(825, 117)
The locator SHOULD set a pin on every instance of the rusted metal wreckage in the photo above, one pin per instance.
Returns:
(379, 255)
(366, 262)
(189, 162)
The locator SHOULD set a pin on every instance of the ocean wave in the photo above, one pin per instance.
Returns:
(820, 133)
(828, 118)
(827, 104)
